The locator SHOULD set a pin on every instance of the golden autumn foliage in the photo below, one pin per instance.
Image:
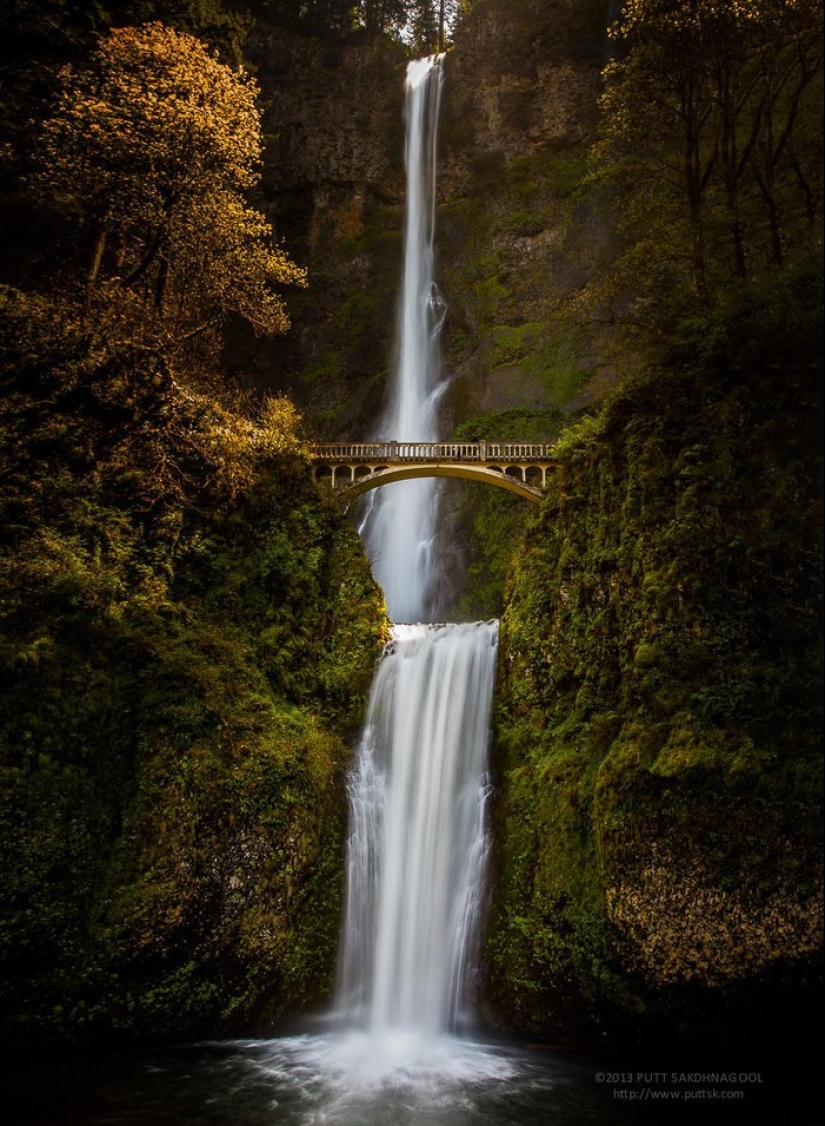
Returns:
(239, 446)
(187, 628)
(85, 389)
(155, 144)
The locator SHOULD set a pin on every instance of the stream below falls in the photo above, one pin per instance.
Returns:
(325, 1078)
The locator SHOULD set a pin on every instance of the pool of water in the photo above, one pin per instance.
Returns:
(349, 1079)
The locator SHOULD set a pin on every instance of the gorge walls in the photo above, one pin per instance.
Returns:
(660, 729)
(521, 101)
(657, 862)
(188, 643)
(189, 631)
(515, 242)
(334, 183)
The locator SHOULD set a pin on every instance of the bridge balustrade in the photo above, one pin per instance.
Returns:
(431, 451)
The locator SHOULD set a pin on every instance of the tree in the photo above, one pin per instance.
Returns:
(381, 16)
(429, 23)
(709, 135)
(425, 25)
(155, 144)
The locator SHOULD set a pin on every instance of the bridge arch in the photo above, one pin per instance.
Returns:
(354, 468)
(385, 476)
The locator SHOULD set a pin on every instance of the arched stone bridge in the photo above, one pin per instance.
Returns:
(354, 468)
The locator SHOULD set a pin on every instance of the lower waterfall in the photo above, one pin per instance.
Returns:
(418, 840)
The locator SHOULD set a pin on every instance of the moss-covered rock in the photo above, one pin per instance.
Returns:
(659, 724)
(188, 635)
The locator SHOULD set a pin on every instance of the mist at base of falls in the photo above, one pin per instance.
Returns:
(320, 1079)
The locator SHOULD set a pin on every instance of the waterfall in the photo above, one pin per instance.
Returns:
(418, 791)
(399, 526)
(418, 839)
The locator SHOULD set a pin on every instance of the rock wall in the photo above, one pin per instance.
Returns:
(515, 244)
(514, 241)
(333, 184)
(519, 110)
(660, 864)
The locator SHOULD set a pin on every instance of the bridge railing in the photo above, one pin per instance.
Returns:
(349, 452)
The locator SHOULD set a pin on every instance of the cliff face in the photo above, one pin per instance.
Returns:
(513, 242)
(660, 733)
(518, 112)
(334, 185)
(520, 109)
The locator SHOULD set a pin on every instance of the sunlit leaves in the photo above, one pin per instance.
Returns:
(152, 115)
(155, 144)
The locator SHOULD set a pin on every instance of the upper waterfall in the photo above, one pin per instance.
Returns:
(400, 524)
(416, 855)
(418, 789)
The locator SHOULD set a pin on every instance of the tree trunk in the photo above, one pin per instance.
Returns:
(97, 258)
(161, 282)
(805, 189)
(765, 188)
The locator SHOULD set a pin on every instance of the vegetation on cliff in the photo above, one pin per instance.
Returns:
(188, 631)
(711, 142)
(660, 724)
(659, 728)
(188, 627)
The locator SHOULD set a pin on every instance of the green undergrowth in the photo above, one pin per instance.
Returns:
(189, 631)
(659, 705)
(491, 522)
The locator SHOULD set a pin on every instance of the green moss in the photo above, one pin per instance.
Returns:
(545, 172)
(490, 522)
(555, 358)
(659, 734)
(509, 248)
(187, 642)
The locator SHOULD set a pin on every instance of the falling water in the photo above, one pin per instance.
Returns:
(418, 841)
(417, 848)
(399, 526)
(398, 1050)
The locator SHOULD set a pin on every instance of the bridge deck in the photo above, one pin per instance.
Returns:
(513, 453)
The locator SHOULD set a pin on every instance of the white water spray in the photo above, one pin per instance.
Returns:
(400, 524)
